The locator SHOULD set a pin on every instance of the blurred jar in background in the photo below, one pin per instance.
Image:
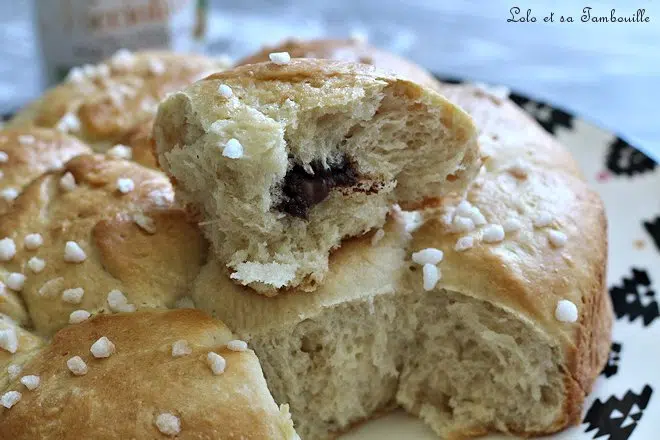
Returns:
(77, 32)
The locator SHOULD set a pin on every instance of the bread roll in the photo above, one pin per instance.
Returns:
(104, 225)
(323, 149)
(27, 154)
(18, 347)
(349, 50)
(141, 390)
(491, 346)
(104, 104)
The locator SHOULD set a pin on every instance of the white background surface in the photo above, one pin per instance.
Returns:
(607, 73)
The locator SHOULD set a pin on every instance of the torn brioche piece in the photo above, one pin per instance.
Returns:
(492, 316)
(119, 377)
(282, 162)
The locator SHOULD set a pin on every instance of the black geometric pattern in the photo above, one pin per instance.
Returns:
(617, 418)
(653, 228)
(635, 297)
(624, 159)
(612, 366)
(549, 117)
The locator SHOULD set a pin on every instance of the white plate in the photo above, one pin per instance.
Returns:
(625, 402)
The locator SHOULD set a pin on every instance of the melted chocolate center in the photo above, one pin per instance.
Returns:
(301, 190)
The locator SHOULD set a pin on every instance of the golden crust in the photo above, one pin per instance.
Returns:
(525, 273)
(134, 242)
(121, 396)
(32, 152)
(349, 50)
(109, 107)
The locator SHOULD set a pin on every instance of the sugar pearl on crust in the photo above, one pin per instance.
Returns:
(77, 366)
(68, 182)
(181, 348)
(168, 424)
(493, 234)
(216, 362)
(102, 348)
(557, 238)
(566, 311)
(13, 370)
(463, 208)
(232, 149)
(78, 316)
(73, 253)
(9, 340)
(122, 59)
(118, 302)
(542, 219)
(237, 345)
(26, 139)
(225, 91)
(428, 256)
(145, 223)
(511, 225)
(125, 185)
(464, 243)
(73, 296)
(33, 241)
(156, 66)
(431, 276)
(36, 264)
(68, 123)
(4, 157)
(31, 382)
(7, 249)
(280, 58)
(10, 398)
(462, 224)
(9, 194)
(120, 152)
(16, 281)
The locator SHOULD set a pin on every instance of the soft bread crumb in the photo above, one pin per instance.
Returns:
(7, 249)
(431, 276)
(428, 256)
(168, 424)
(216, 362)
(77, 366)
(31, 382)
(102, 348)
(566, 311)
(10, 398)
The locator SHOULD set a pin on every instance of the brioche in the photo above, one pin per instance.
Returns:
(27, 154)
(486, 348)
(348, 50)
(141, 390)
(103, 225)
(17, 347)
(325, 149)
(105, 104)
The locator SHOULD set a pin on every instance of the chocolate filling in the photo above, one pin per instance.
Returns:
(301, 190)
